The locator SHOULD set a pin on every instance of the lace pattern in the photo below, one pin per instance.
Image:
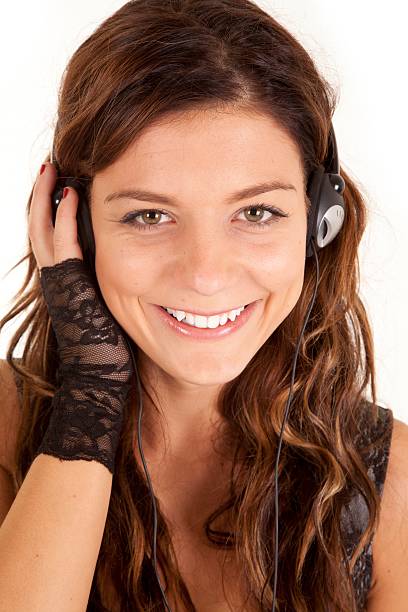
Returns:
(94, 369)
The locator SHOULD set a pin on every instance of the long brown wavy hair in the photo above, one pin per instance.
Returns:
(151, 58)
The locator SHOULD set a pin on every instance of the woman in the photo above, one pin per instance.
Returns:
(166, 112)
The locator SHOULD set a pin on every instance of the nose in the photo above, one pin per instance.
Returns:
(208, 263)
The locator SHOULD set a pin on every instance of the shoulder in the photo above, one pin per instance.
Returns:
(10, 415)
(390, 542)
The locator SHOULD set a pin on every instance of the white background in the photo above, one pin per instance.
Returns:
(360, 47)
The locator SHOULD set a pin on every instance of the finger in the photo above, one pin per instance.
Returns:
(66, 243)
(40, 228)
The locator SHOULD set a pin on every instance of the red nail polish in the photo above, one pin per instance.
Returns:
(65, 192)
(43, 167)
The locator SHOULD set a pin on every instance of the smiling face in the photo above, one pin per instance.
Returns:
(202, 249)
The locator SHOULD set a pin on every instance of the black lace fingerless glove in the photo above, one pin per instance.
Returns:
(95, 368)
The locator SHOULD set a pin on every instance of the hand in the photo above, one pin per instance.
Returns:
(52, 245)
(94, 358)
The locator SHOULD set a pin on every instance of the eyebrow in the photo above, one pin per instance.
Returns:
(247, 192)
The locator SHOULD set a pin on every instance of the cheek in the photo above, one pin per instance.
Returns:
(119, 265)
(123, 276)
(110, 271)
(283, 278)
(284, 267)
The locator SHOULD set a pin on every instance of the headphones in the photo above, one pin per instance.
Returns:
(325, 189)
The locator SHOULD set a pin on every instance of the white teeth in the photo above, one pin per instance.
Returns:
(204, 322)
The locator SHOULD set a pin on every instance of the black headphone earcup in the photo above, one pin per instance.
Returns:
(326, 216)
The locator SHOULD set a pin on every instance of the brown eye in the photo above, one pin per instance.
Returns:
(256, 212)
(256, 215)
(151, 216)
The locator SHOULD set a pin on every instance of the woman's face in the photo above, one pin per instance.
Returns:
(204, 251)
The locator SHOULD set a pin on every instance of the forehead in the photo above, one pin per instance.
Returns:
(211, 149)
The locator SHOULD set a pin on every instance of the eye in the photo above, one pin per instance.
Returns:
(257, 212)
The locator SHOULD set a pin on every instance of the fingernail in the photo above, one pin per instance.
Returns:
(43, 167)
(65, 192)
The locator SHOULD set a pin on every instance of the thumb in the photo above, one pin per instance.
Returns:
(66, 243)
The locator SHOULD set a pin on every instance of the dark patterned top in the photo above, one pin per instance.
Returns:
(355, 514)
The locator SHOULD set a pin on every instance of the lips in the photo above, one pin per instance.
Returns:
(190, 332)
(201, 313)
